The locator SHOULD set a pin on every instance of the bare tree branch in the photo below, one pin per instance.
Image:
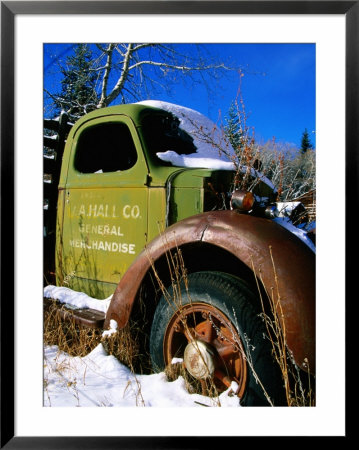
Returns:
(106, 100)
(106, 74)
(133, 71)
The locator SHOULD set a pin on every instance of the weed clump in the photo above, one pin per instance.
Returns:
(127, 346)
(70, 337)
(298, 382)
(77, 340)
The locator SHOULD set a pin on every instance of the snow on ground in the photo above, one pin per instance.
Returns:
(99, 379)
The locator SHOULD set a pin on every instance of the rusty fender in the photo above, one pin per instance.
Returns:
(249, 238)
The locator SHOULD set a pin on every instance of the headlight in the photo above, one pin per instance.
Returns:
(242, 200)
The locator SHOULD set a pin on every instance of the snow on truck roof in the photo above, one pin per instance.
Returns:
(213, 148)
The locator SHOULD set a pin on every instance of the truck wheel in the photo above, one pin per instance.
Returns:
(212, 325)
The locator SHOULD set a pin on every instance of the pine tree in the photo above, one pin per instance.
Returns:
(78, 95)
(305, 142)
(233, 129)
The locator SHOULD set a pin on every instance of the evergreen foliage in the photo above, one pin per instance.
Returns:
(305, 142)
(233, 128)
(78, 95)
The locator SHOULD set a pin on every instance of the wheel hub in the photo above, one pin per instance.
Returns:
(209, 345)
(199, 360)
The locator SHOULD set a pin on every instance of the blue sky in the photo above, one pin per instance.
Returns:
(278, 87)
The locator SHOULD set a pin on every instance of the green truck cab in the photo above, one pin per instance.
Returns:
(122, 209)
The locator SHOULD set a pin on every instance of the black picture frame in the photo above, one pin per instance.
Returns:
(9, 10)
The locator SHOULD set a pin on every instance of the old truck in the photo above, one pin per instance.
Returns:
(139, 205)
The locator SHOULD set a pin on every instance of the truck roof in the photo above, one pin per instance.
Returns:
(133, 110)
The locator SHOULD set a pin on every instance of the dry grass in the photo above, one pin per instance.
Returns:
(193, 386)
(127, 346)
(77, 340)
(297, 382)
(66, 334)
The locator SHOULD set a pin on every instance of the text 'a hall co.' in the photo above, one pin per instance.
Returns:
(106, 211)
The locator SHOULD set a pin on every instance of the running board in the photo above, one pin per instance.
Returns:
(91, 318)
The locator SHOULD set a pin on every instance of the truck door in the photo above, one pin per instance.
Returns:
(105, 205)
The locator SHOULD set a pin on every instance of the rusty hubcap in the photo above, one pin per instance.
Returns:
(199, 360)
(209, 345)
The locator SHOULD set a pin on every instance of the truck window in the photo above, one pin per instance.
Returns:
(162, 133)
(105, 147)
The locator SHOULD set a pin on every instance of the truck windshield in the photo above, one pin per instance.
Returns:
(162, 133)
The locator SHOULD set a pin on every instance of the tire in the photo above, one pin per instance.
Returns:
(216, 317)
